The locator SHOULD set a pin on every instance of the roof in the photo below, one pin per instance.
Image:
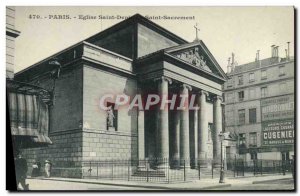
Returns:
(258, 64)
(184, 46)
(137, 18)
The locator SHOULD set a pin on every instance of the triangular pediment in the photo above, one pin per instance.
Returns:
(197, 55)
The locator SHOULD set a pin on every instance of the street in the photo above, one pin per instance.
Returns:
(282, 184)
(35, 184)
(250, 183)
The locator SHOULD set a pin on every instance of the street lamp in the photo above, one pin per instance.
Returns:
(54, 74)
(222, 174)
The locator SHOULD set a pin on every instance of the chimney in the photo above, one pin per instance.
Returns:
(255, 56)
(277, 51)
(273, 50)
(286, 54)
(229, 67)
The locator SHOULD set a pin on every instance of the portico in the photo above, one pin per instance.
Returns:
(181, 134)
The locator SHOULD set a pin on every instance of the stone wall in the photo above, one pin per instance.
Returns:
(65, 153)
(100, 143)
(65, 125)
(10, 42)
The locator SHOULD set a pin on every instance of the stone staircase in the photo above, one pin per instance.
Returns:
(149, 173)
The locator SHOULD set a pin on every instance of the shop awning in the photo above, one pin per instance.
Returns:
(32, 142)
(28, 114)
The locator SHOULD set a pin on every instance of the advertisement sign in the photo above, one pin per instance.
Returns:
(278, 132)
(277, 108)
(277, 114)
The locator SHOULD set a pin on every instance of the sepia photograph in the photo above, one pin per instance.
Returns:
(189, 98)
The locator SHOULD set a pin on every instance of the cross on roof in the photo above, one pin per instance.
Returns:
(197, 29)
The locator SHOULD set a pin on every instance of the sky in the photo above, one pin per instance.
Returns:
(241, 30)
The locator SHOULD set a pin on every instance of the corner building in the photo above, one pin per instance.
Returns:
(135, 56)
(259, 108)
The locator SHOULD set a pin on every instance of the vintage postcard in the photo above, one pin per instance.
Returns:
(151, 98)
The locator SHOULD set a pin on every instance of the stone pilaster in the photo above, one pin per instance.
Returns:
(184, 127)
(217, 119)
(202, 129)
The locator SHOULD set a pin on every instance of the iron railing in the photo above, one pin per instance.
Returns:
(168, 170)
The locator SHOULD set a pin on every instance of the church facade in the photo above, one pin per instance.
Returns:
(133, 57)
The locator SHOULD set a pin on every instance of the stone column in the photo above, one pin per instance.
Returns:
(217, 129)
(176, 146)
(202, 129)
(141, 138)
(195, 139)
(184, 127)
(163, 122)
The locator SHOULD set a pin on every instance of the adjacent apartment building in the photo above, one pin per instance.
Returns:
(259, 107)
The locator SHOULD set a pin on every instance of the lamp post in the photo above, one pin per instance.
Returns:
(222, 174)
(54, 74)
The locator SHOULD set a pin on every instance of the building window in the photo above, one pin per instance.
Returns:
(241, 117)
(112, 117)
(282, 87)
(281, 70)
(242, 140)
(241, 95)
(252, 93)
(229, 98)
(229, 83)
(241, 81)
(251, 77)
(252, 115)
(253, 139)
(264, 91)
(264, 74)
(229, 118)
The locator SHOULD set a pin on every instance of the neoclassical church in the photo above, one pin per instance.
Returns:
(135, 56)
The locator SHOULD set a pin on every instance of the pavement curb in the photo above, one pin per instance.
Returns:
(215, 186)
(262, 181)
(105, 183)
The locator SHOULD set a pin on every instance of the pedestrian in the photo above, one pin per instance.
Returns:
(35, 169)
(48, 167)
(21, 172)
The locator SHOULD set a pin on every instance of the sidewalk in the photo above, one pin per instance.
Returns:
(204, 184)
